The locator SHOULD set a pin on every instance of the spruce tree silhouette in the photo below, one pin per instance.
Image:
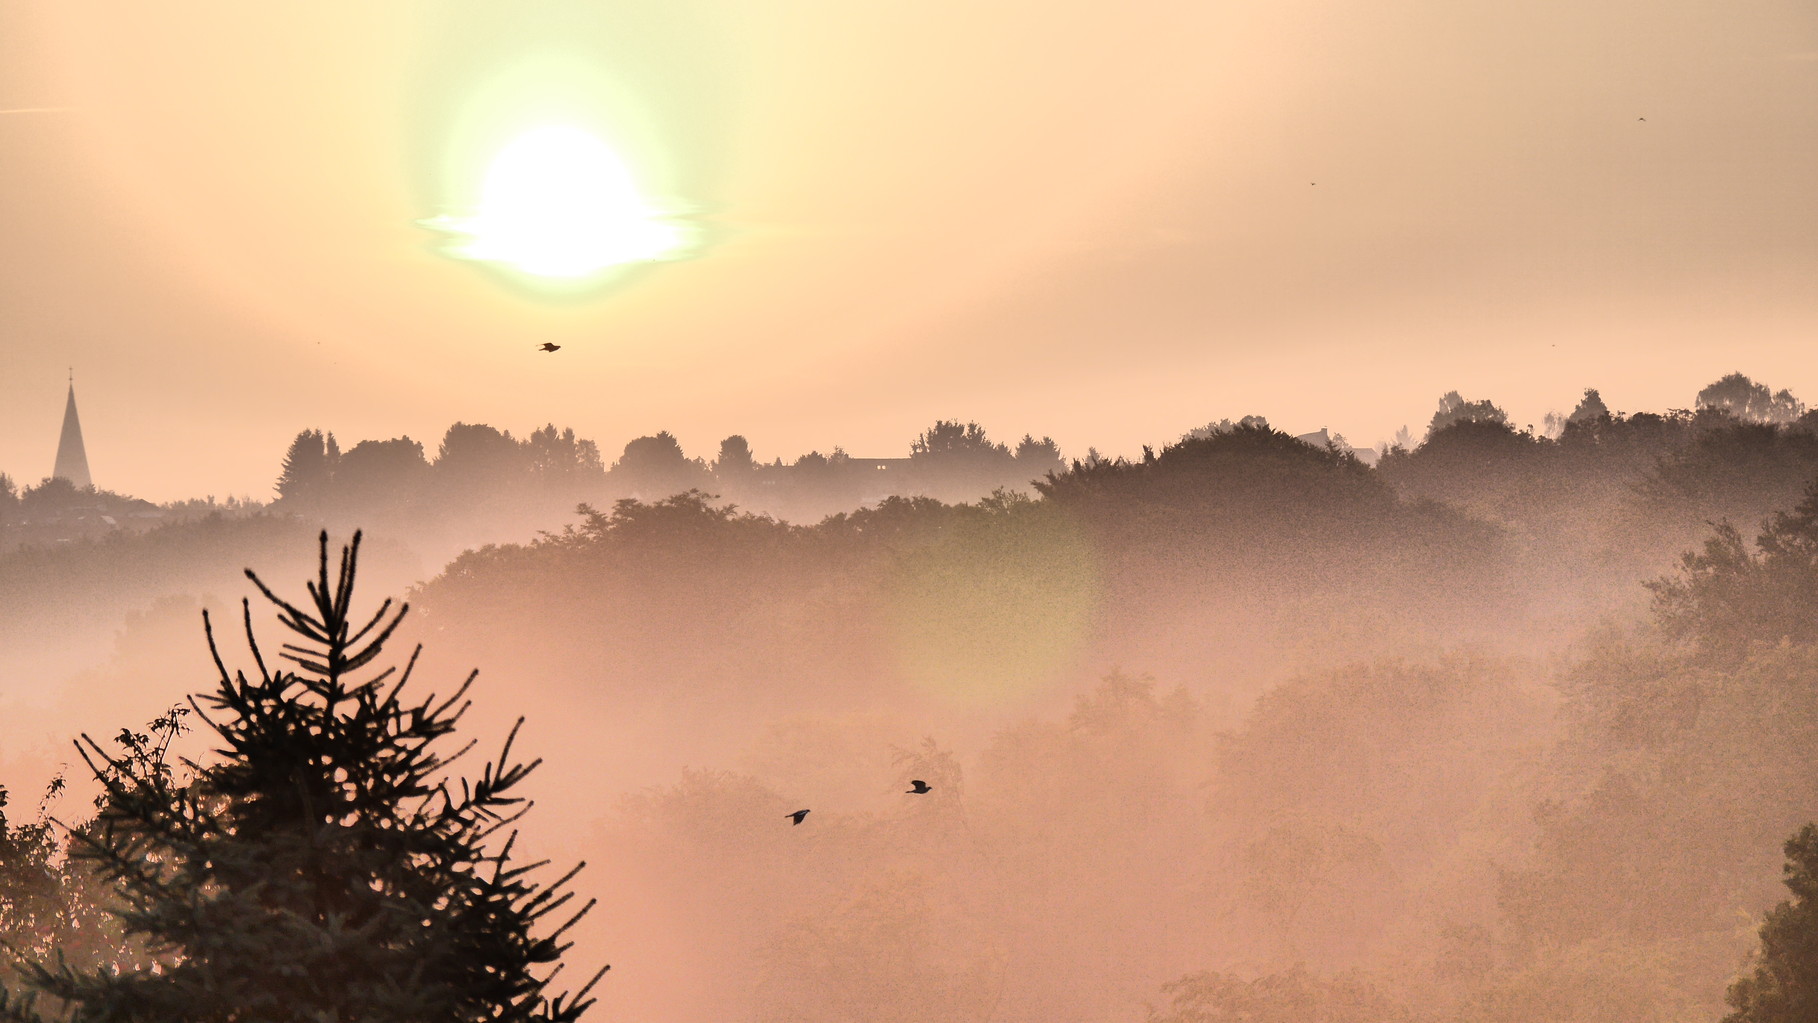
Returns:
(321, 866)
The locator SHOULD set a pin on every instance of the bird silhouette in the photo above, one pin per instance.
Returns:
(550, 346)
(920, 786)
(796, 817)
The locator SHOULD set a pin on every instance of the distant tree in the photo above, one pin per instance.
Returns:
(734, 461)
(1453, 408)
(1219, 426)
(381, 475)
(1590, 408)
(322, 867)
(562, 462)
(655, 467)
(1726, 596)
(54, 495)
(958, 462)
(474, 454)
(1783, 986)
(9, 497)
(1749, 401)
(309, 469)
(949, 438)
(1039, 456)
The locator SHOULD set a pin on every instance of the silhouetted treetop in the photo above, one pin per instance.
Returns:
(308, 469)
(1251, 467)
(1039, 455)
(1453, 408)
(1590, 408)
(734, 457)
(655, 466)
(1749, 401)
(476, 452)
(1726, 596)
(949, 438)
(1782, 986)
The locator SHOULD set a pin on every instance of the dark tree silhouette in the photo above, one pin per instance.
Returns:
(1039, 457)
(1783, 986)
(1453, 408)
(376, 474)
(322, 867)
(656, 467)
(1749, 401)
(735, 458)
(1726, 596)
(949, 438)
(475, 454)
(560, 459)
(1590, 408)
(309, 468)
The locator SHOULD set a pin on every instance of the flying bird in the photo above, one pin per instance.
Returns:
(796, 817)
(550, 346)
(920, 786)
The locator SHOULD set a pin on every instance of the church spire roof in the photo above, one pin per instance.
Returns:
(72, 458)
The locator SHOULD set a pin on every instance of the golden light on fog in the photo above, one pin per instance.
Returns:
(558, 203)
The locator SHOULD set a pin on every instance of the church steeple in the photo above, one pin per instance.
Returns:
(72, 458)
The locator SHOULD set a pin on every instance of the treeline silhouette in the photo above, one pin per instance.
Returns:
(481, 475)
(1512, 726)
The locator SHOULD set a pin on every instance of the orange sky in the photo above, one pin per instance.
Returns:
(1088, 220)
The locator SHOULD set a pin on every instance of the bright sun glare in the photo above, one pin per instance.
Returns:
(558, 203)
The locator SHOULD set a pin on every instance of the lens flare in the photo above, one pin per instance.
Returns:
(557, 203)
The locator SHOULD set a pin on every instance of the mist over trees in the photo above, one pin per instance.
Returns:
(1510, 726)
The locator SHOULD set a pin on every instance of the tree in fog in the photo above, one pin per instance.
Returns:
(560, 460)
(655, 467)
(322, 866)
(1293, 997)
(1590, 408)
(1749, 401)
(949, 438)
(9, 498)
(52, 496)
(1453, 408)
(1783, 985)
(1727, 596)
(1039, 457)
(957, 461)
(308, 470)
(1219, 426)
(734, 461)
(381, 475)
(474, 455)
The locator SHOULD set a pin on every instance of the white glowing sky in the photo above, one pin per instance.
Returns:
(558, 202)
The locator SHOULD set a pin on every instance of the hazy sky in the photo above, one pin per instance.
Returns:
(1108, 223)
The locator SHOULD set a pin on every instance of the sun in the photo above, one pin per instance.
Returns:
(557, 203)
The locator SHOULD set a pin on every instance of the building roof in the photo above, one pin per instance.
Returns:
(72, 458)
